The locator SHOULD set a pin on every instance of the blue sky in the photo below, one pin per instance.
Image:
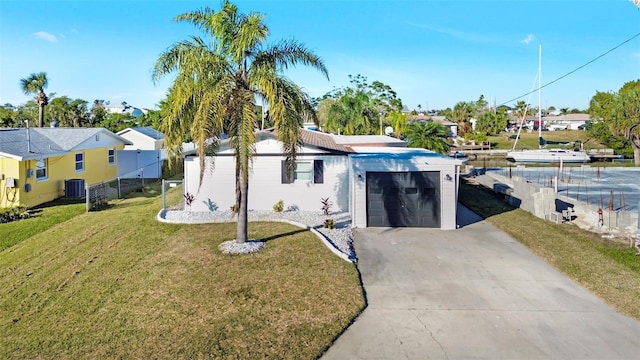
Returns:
(431, 52)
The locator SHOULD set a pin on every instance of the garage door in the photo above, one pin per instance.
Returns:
(403, 199)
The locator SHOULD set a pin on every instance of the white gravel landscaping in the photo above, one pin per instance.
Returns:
(339, 240)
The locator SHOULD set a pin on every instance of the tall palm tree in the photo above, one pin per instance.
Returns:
(218, 82)
(35, 85)
(428, 135)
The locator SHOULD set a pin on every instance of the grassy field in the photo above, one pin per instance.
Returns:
(529, 140)
(119, 284)
(607, 268)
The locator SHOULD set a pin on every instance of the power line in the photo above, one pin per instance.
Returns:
(574, 70)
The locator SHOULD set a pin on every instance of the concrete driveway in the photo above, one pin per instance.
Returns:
(474, 293)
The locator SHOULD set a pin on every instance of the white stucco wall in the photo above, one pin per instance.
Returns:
(360, 165)
(265, 184)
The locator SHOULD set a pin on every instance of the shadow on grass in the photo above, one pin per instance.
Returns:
(282, 235)
(482, 201)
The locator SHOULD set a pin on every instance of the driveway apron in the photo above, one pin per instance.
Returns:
(474, 293)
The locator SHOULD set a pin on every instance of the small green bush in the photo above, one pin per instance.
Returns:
(279, 206)
(329, 224)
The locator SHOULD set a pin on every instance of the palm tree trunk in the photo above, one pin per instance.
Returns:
(636, 155)
(242, 227)
(41, 115)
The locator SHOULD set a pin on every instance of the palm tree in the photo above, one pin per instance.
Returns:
(428, 135)
(218, 82)
(35, 84)
(399, 123)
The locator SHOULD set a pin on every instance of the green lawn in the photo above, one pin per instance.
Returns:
(607, 268)
(119, 284)
(42, 219)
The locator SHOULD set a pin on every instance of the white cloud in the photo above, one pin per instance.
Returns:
(527, 39)
(45, 36)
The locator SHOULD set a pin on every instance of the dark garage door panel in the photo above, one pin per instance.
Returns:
(403, 199)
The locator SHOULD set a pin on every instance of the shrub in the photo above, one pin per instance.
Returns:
(326, 205)
(13, 214)
(279, 206)
(329, 224)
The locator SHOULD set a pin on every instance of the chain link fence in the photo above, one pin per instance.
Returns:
(175, 201)
(98, 195)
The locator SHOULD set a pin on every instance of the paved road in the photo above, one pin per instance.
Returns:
(474, 293)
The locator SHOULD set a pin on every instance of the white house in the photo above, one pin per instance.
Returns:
(143, 138)
(381, 186)
(144, 158)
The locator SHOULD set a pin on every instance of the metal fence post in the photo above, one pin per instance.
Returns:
(164, 203)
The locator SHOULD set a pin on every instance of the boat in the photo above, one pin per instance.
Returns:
(543, 155)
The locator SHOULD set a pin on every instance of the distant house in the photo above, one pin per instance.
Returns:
(37, 164)
(566, 122)
(124, 109)
(143, 138)
(144, 157)
(380, 182)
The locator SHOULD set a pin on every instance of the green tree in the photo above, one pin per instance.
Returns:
(359, 109)
(492, 122)
(521, 110)
(217, 83)
(614, 115)
(462, 114)
(399, 123)
(98, 113)
(118, 122)
(35, 85)
(8, 116)
(428, 135)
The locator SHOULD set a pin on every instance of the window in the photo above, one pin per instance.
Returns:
(41, 169)
(304, 170)
(112, 156)
(79, 162)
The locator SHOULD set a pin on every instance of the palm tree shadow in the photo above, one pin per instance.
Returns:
(282, 235)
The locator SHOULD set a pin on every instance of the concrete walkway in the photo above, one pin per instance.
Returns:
(474, 293)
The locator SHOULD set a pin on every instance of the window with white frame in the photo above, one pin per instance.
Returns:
(303, 170)
(79, 162)
(112, 156)
(41, 169)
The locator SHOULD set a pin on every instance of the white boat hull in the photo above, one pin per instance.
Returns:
(548, 156)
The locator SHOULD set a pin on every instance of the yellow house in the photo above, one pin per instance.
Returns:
(36, 162)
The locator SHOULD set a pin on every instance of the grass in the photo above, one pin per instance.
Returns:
(609, 269)
(118, 284)
(43, 218)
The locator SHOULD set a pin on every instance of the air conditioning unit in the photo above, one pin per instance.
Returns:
(74, 188)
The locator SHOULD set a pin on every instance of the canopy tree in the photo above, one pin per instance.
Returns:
(615, 115)
(491, 122)
(218, 82)
(359, 109)
(35, 85)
